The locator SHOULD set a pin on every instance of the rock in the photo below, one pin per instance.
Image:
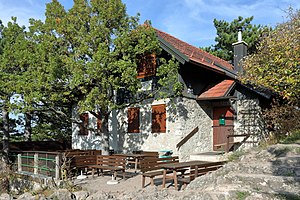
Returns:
(5, 196)
(62, 194)
(26, 196)
(81, 195)
(100, 195)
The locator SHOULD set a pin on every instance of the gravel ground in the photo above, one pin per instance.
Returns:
(132, 183)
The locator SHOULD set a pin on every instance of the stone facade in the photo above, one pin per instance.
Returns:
(182, 116)
(249, 120)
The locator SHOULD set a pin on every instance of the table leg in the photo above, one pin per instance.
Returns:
(93, 172)
(196, 171)
(164, 178)
(135, 164)
(175, 179)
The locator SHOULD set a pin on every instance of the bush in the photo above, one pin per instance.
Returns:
(282, 121)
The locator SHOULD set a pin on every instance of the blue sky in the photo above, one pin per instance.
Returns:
(188, 20)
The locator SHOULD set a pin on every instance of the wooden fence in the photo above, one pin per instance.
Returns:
(44, 163)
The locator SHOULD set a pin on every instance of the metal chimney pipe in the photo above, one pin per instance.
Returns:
(240, 36)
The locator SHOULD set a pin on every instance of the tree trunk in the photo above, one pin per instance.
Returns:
(5, 138)
(27, 130)
(105, 144)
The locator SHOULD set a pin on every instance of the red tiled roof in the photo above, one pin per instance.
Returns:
(218, 90)
(195, 54)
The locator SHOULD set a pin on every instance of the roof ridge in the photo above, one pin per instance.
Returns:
(204, 53)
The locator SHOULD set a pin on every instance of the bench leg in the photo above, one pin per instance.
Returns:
(115, 174)
(164, 178)
(175, 179)
(123, 172)
(143, 181)
(152, 181)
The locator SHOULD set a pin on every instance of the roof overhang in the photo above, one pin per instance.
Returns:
(216, 98)
(218, 90)
(170, 49)
(182, 58)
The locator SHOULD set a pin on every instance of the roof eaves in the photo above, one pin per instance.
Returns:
(169, 48)
(214, 68)
(214, 98)
(230, 89)
(267, 93)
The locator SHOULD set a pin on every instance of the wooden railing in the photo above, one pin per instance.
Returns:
(233, 136)
(186, 138)
(45, 163)
(37, 163)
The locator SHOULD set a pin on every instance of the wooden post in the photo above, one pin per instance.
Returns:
(227, 145)
(19, 162)
(36, 163)
(57, 167)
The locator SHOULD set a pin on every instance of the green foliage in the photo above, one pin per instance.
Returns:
(80, 56)
(235, 155)
(227, 34)
(242, 195)
(294, 137)
(276, 65)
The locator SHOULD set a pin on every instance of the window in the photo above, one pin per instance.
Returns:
(146, 66)
(99, 122)
(159, 118)
(83, 128)
(133, 120)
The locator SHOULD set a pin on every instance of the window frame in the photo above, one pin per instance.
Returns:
(146, 66)
(133, 123)
(83, 126)
(159, 126)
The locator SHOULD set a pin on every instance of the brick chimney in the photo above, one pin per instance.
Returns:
(239, 52)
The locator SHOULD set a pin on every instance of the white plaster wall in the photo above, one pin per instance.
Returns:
(183, 115)
(91, 141)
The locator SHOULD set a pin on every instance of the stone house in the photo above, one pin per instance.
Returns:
(213, 105)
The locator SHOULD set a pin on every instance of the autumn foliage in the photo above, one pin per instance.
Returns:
(276, 65)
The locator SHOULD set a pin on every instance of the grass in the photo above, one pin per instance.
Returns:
(235, 155)
(292, 138)
(242, 195)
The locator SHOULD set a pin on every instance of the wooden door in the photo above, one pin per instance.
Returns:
(220, 131)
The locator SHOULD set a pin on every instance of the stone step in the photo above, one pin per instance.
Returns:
(259, 184)
(212, 156)
(282, 170)
(289, 160)
(265, 182)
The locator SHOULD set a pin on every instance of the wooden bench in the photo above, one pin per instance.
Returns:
(199, 170)
(145, 155)
(150, 167)
(70, 163)
(83, 161)
(109, 163)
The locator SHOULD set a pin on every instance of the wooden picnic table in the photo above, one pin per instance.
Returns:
(136, 158)
(178, 167)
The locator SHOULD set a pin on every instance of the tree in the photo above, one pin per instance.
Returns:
(12, 57)
(227, 34)
(84, 55)
(276, 65)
